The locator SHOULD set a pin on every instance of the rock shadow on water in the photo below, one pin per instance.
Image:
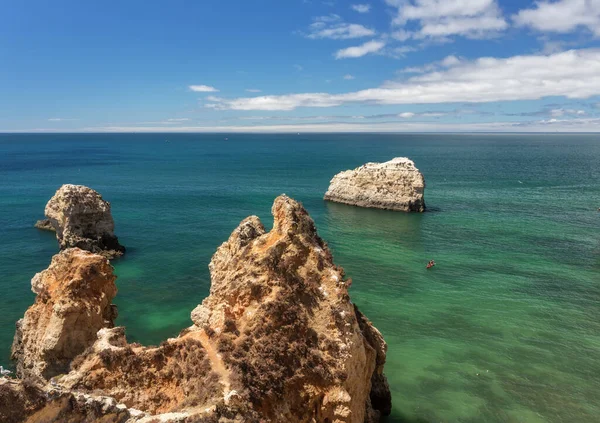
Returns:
(384, 224)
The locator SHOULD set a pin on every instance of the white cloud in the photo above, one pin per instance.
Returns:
(336, 118)
(177, 119)
(406, 115)
(252, 90)
(203, 89)
(572, 74)
(361, 50)
(549, 125)
(61, 120)
(332, 27)
(399, 52)
(447, 62)
(444, 18)
(563, 112)
(401, 35)
(410, 115)
(561, 16)
(349, 77)
(361, 8)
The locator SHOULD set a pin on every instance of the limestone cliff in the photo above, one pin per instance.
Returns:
(82, 218)
(393, 185)
(73, 302)
(277, 340)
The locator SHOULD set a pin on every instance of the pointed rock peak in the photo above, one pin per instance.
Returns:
(249, 229)
(290, 216)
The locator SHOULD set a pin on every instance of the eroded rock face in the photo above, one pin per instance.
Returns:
(276, 340)
(25, 402)
(285, 325)
(73, 302)
(394, 185)
(45, 225)
(82, 219)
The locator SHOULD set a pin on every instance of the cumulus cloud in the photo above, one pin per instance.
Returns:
(561, 16)
(361, 8)
(445, 18)
(203, 89)
(252, 90)
(349, 77)
(361, 50)
(573, 74)
(333, 27)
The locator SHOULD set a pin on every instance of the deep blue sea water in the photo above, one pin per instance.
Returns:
(505, 329)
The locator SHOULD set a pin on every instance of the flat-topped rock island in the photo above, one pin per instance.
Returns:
(393, 185)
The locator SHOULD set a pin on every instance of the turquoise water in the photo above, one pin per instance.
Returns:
(505, 329)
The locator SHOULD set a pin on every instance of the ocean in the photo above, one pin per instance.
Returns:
(506, 327)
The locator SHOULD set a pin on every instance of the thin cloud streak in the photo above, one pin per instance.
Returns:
(361, 50)
(333, 27)
(572, 74)
(203, 89)
(549, 125)
(361, 8)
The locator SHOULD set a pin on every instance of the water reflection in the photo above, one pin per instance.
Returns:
(381, 226)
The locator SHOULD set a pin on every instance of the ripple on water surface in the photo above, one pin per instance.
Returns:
(504, 329)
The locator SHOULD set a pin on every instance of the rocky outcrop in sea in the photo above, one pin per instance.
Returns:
(277, 340)
(82, 218)
(73, 302)
(393, 185)
(45, 225)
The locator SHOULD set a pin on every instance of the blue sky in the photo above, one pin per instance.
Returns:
(300, 65)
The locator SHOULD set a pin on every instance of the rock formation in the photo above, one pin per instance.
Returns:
(277, 340)
(73, 303)
(394, 185)
(82, 219)
(26, 402)
(45, 225)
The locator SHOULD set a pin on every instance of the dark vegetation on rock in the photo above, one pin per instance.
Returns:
(277, 340)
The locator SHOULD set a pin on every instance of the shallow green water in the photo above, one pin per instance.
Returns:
(505, 329)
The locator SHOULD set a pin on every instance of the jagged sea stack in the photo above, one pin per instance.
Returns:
(394, 185)
(82, 219)
(277, 340)
(74, 301)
